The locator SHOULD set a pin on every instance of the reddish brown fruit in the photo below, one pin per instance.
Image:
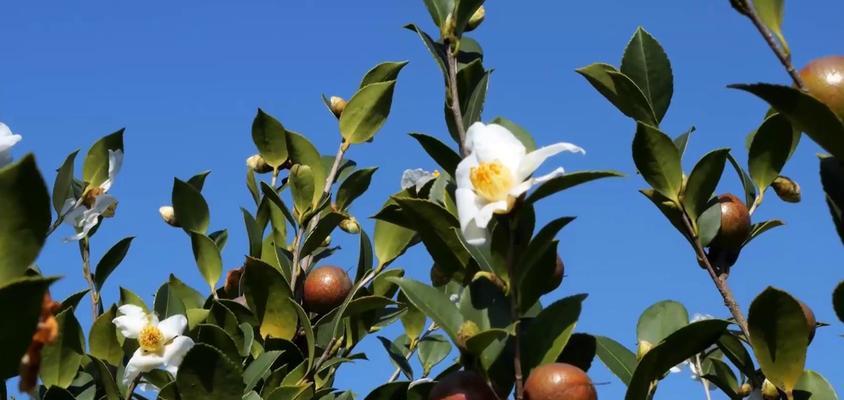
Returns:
(557, 277)
(735, 223)
(811, 322)
(462, 385)
(559, 381)
(824, 79)
(232, 286)
(326, 288)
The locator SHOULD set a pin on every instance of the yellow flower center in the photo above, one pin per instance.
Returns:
(492, 181)
(151, 338)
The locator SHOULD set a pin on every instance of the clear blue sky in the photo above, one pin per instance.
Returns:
(185, 79)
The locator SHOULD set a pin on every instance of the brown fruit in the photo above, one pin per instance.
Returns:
(811, 322)
(735, 223)
(559, 381)
(824, 79)
(232, 286)
(326, 288)
(557, 277)
(462, 385)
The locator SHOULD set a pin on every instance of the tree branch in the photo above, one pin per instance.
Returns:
(85, 252)
(454, 104)
(747, 9)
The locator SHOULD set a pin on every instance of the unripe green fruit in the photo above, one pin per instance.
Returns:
(326, 288)
(824, 79)
(462, 385)
(559, 381)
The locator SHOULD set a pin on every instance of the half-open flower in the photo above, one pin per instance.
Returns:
(83, 214)
(160, 344)
(497, 171)
(7, 140)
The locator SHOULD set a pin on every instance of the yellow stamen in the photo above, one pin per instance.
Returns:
(492, 181)
(151, 338)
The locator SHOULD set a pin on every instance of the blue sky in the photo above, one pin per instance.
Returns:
(185, 79)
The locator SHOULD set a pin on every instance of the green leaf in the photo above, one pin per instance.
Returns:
(567, 181)
(813, 386)
(103, 338)
(703, 181)
(20, 301)
(658, 160)
(72, 301)
(769, 150)
(259, 368)
(270, 139)
(112, 258)
(443, 155)
(475, 101)
(198, 180)
(95, 167)
(208, 258)
(389, 391)
(61, 359)
(646, 63)
(734, 349)
(166, 303)
(463, 11)
(549, 332)
(303, 152)
(267, 294)
(25, 214)
(620, 90)
(434, 223)
(301, 182)
(618, 359)
(397, 357)
(352, 187)
(190, 207)
(676, 348)
(220, 238)
(188, 295)
(253, 233)
(206, 373)
(719, 373)
(384, 72)
(771, 12)
(366, 112)
(218, 338)
(805, 112)
(103, 377)
(744, 178)
(326, 225)
(272, 196)
(779, 335)
(682, 141)
(832, 178)
(391, 240)
(62, 187)
(432, 350)
(129, 297)
(658, 322)
(436, 49)
(308, 329)
(762, 227)
(838, 301)
(433, 303)
(439, 9)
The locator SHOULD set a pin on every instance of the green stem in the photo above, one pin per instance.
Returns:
(85, 252)
(454, 104)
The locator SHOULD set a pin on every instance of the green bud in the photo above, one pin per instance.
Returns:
(476, 19)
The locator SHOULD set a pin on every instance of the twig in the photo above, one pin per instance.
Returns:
(454, 104)
(749, 11)
(412, 350)
(514, 311)
(85, 251)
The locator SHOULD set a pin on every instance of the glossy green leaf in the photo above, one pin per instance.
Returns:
(218, 338)
(744, 178)
(432, 350)
(443, 155)
(682, 141)
(832, 178)
(434, 225)
(302, 187)
(838, 301)
(352, 187)
(267, 294)
(390, 240)
(620, 90)
(805, 112)
(61, 359)
(206, 373)
(186, 294)
(669, 209)
(396, 356)
(310, 341)
(436, 49)
(253, 233)
(702, 182)
(734, 349)
(813, 386)
(433, 303)
(25, 214)
(366, 112)
(658, 160)
(129, 297)
(62, 186)
(762, 227)
(190, 207)
(198, 180)
(96, 165)
(270, 139)
(475, 101)
(102, 340)
(549, 332)
(647, 65)
(463, 11)
(20, 301)
(719, 373)
(208, 258)
(166, 302)
(303, 152)
(618, 359)
(658, 322)
(769, 150)
(326, 225)
(771, 12)
(567, 181)
(111, 259)
(259, 368)
(384, 72)
(779, 336)
(72, 301)
(439, 9)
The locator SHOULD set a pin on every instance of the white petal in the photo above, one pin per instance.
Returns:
(115, 162)
(131, 309)
(173, 326)
(141, 362)
(416, 178)
(102, 203)
(175, 351)
(486, 212)
(462, 173)
(130, 325)
(523, 187)
(534, 159)
(494, 142)
(468, 205)
(7, 138)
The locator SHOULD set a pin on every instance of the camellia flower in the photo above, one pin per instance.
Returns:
(160, 344)
(7, 140)
(496, 172)
(83, 214)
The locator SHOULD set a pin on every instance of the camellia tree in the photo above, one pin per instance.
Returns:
(281, 325)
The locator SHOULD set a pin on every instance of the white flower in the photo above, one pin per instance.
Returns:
(161, 344)
(496, 172)
(83, 214)
(417, 178)
(7, 140)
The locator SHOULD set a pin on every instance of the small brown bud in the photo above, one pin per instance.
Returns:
(168, 215)
(337, 105)
(258, 164)
(745, 390)
(89, 197)
(350, 225)
(787, 189)
(476, 19)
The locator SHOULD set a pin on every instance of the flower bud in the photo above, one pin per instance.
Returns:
(350, 225)
(787, 189)
(168, 215)
(468, 330)
(770, 391)
(476, 19)
(337, 105)
(643, 348)
(448, 27)
(258, 164)
(745, 390)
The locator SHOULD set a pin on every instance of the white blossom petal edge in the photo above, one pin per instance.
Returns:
(496, 172)
(160, 343)
(7, 140)
(85, 217)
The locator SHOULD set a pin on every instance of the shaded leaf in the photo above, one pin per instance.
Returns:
(270, 139)
(206, 373)
(779, 335)
(618, 359)
(208, 258)
(658, 160)
(702, 182)
(769, 150)
(646, 63)
(620, 90)
(20, 301)
(567, 181)
(366, 112)
(111, 259)
(550, 331)
(433, 303)
(96, 164)
(190, 207)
